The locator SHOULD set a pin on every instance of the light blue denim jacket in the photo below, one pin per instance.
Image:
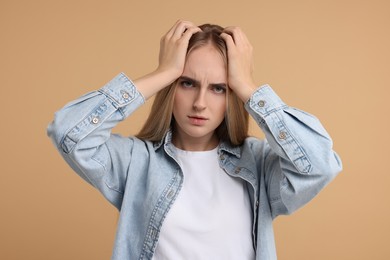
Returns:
(142, 179)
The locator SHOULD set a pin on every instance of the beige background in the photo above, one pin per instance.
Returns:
(330, 58)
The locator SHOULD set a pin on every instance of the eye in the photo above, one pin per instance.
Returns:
(219, 89)
(186, 83)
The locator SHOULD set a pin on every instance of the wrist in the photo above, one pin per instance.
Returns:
(167, 75)
(153, 82)
(245, 91)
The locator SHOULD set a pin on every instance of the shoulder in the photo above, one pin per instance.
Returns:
(254, 144)
(130, 144)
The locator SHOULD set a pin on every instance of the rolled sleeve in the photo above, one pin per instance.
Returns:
(266, 107)
(121, 90)
(81, 131)
(117, 100)
(263, 102)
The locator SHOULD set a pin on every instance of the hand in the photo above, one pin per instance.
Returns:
(173, 51)
(240, 62)
(173, 48)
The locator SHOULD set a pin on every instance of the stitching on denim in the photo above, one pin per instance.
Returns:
(298, 146)
(150, 228)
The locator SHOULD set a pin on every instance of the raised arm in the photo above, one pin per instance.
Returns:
(298, 159)
(81, 131)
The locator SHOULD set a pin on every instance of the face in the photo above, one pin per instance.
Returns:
(200, 99)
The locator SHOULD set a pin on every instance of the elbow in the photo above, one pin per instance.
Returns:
(325, 172)
(56, 131)
(298, 190)
(330, 168)
(53, 132)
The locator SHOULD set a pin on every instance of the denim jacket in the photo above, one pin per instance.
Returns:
(142, 179)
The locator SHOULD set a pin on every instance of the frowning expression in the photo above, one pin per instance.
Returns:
(200, 98)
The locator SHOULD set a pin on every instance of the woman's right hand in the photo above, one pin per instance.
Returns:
(173, 47)
(173, 51)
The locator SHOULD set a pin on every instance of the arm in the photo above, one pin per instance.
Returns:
(298, 159)
(81, 131)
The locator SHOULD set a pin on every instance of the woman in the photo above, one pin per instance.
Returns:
(192, 184)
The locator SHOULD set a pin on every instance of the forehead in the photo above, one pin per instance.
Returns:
(206, 63)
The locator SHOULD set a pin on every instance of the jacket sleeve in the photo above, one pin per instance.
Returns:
(298, 158)
(81, 132)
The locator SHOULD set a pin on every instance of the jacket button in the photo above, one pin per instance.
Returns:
(95, 120)
(125, 95)
(282, 135)
(261, 103)
(238, 169)
(221, 157)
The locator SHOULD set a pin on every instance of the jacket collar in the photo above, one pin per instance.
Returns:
(223, 146)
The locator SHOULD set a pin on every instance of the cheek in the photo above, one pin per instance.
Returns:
(178, 103)
(175, 107)
(220, 107)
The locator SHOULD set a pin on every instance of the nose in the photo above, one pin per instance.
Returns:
(200, 100)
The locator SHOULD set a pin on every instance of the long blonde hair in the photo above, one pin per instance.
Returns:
(233, 129)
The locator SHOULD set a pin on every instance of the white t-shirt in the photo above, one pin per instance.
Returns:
(211, 217)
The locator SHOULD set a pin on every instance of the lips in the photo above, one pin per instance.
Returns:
(197, 120)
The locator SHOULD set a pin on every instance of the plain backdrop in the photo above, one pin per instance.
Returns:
(330, 58)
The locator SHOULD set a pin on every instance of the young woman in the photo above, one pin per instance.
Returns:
(192, 184)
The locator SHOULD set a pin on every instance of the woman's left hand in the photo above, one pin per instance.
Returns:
(240, 62)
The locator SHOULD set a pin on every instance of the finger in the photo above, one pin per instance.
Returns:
(181, 27)
(176, 26)
(171, 30)
(237, 34)
(189, 32)
(228, 40)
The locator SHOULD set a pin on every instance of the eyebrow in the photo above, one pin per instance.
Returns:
(196, 82)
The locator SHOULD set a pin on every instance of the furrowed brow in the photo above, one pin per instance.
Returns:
(196, 82)
(221, 85)
(185, 78)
